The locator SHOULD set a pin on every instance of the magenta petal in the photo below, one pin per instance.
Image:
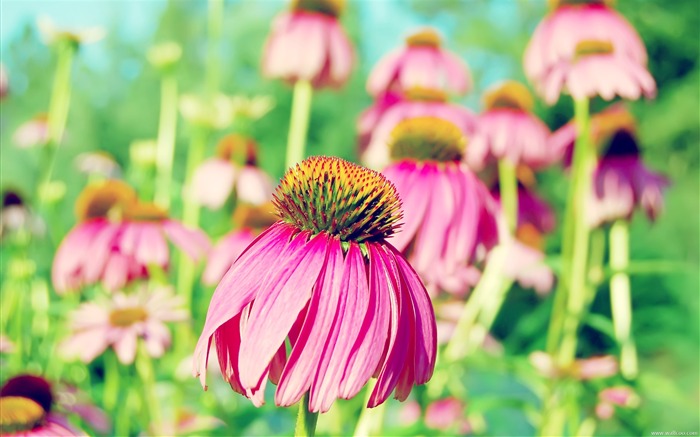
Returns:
(152, 247)
(365, 355)
(352, 306)
(227, 339)
(239, 285)
(70, 255)
(303, 361)
(397, 347)
(191, 241)
(278, 302)
(98, 251)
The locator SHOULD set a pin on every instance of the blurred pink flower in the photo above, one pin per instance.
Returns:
(418, 103)
(189, 423)
(4, 82)
(449, 212)
(308, 43)
(422, 62)
(369, 118)
(526, 266)
(233, 170)
(6, 345)
(409, 413)
(532, 209)
(117, 238)
(32, 133)
(120, 322)
(609, 398)
(325, 278)
(250, 222)
(597, 36)
(509, 130)
(98, 163)
(447, 415)
(72, 400)
(583, 369)
(26, 402)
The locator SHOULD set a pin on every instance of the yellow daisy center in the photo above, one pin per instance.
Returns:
(123, 317)
(593, 47)
(332, 8)
(338, 197)
(424, 38)
(425, 94)
(427, 139)
(509, 94)
(144, 212)
(103, 200)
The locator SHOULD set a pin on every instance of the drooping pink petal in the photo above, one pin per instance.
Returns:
(212, 182)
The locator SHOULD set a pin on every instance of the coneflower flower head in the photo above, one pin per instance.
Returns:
(422, 62)
(25, 409)
(325, 278)
(448, 211)
(308, 43)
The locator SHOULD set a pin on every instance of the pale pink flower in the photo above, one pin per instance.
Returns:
(26, 403)
(422, 62)
(449, 211)
(233, 170)
(325, 279)
(308, 43)
(32, 133)
(188, 423)
(583, 369)
(611, 397)
(117, 238)
(369, 118)
(6, 345)
(526, 265)
(120, 322)
(98, 163)
(418, 103)
(409, 413)
(509, 130)
(575, 30)
(447, 415)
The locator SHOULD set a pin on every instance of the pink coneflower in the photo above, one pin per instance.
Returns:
(419, 102)
(603, 366)
(308, 43)
(422, 62)
(32, 133)
(449, 211)
(234, 169)
(98, 163)
(4, 82)
(117, 238)
(25, 409)
(369, 118)
(621, 181)
(509, 130)
(324, 278)
(121, 322)
(588, 49)
(16, 218)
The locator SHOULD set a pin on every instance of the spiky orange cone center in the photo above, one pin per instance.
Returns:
(424, 38)
(591, 47)
(331, 8)
(325, 194)
(511, 95)
(104, 200)
(427, 139)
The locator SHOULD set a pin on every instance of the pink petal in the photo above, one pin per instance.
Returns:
(212, 182)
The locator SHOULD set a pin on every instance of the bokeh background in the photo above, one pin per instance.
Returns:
(116, 98)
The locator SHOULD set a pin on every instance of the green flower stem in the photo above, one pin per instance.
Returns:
(58, 108)
(371, 420)
(190, 217)
(490, 280)
(620, 298)
(111, 389)
(299, 122)
(146, 373)
(488, 315)
(508, 184)
(583, 166)
(573, 290)
(306, 421)
(215, 19)
(596, 271)
(165, 149)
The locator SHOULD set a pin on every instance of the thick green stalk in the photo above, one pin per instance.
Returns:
(299, 122)
(306, 421)
(146, 373)
(58, 107)
(165, 149)
(620, 298)
(485, 290)
(110, 391)
(508, 184)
